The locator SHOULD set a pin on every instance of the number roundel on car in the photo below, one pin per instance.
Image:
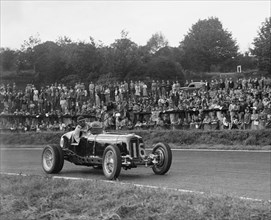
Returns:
(142, 150)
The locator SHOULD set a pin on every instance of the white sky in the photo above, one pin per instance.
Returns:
(104, 20)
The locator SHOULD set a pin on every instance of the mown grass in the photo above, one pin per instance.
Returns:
(41, 197)
(226, 139)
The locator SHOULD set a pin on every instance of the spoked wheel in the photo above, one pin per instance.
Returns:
(164, 158)
(52, 159)
(111, 162)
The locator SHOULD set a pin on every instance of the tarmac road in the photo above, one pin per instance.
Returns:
(234, 173)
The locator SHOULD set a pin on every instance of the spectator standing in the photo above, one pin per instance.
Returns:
(137, 90)
(132, 88)
(254, 120)
(126, 90)
(231, 84)
(91, 88)
(144, 88)
(247, 119)
(154, 88)
(107, 95)
(163, 88)
(222, 84)
(233, 109)
(262, 119)
(168, 88)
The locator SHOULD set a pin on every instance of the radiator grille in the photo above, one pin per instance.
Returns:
(134, 148)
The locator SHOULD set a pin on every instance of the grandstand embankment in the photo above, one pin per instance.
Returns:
(179, 138)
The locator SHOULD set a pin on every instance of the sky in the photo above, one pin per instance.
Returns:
(104, 20)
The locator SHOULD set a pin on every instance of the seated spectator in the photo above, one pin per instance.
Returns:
(124, 123)
(206, 122)
(130, 125)
(241, 124)
(117, 122)
(234, 124)
(166, 120)
(42, 126)
(160, 123)
(33, 126)
(144, 124)
(174, 121)
(138, 124)
(12, 127)
(185, 124)
(225, 121)
(54, 126)
(214, 122)
(62, 126)
(192, 124)
(21, 128)
(198, 121)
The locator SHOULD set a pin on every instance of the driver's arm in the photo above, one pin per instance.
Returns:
(76, 133)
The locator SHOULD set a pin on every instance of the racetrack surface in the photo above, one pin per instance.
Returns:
(234, 173)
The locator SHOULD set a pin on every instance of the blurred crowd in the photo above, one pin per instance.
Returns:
(224, 103)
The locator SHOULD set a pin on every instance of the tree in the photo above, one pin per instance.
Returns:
(48, 62)
(27, 58)
(247, 61)
(124, 56)
(8, 59)
(156, 42)
(63, 41)
(164, 65)
(207, 44)
(262, 47)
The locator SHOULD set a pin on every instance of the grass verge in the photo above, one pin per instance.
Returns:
(224, 140)
(41, 197)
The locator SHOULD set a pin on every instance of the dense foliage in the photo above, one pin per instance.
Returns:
(262, 46)
(206, 47)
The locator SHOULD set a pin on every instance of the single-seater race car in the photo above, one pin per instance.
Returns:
(108, 151)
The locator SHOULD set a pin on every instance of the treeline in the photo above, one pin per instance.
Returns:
(206, 47)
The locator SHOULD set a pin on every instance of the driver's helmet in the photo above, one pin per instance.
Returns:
(81, 121)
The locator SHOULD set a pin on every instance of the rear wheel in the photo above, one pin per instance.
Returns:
(164, 158)
(111, 162)
(52, 159)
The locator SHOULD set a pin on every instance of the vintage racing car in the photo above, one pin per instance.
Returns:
(108, 151)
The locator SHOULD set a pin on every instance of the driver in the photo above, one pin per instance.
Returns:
(81, 128)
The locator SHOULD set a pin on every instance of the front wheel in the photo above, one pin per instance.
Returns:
(163, 151)
(111, 162)
(52, 159)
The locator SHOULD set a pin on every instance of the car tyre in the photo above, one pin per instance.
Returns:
(164, 160)
(52, 159)
(111, 162)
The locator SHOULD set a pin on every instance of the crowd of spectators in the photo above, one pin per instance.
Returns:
(243, 103)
